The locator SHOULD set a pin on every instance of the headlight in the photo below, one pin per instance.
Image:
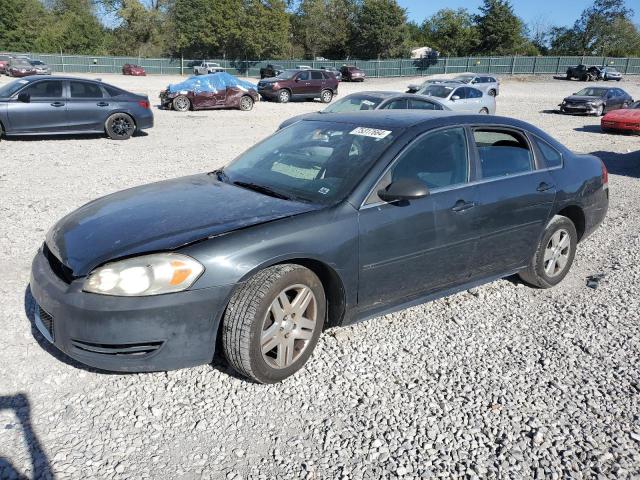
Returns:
(564, 102)
(153, 274)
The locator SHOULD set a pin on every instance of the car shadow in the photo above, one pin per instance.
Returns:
(626, 164)
(553, 112)
(590, 129)
(63, 137)
(40, 466)
(29, 310)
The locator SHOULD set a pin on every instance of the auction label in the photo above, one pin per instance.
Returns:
(370, 132)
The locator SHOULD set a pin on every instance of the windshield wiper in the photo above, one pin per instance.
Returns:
(261, 189)
(220, 175)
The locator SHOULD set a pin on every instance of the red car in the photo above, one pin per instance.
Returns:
(4, 62)
(20, 67)
(135, 70)
(351, 73)
(622, 120)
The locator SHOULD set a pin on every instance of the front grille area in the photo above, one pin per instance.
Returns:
(63, 272)
(47, 321)
(114, 349)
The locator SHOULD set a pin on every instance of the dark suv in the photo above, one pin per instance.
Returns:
(303, 84)
(351, 73)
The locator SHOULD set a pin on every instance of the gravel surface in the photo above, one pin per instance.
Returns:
(502, 381)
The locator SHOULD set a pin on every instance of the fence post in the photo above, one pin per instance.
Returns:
(401, 62)
(181, 64)
(626, 67)
(446, 64)
(513, 65)
(468, 60)
(489, 69)
(535, 61)
(558, 66)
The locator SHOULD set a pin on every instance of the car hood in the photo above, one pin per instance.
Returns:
(623, 114)
(583, 98)
(292, 120)
(160, 216)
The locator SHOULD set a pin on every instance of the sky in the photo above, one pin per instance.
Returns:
(554, 12)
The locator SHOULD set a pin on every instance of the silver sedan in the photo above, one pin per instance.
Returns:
(41, 67)
(460, 97)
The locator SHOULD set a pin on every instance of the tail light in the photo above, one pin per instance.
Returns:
(144, 104)
(605, 174)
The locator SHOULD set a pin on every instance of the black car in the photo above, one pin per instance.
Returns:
(375, 100)
(595, 101)
(337, 73)
(583, 72)
(271, 71)
(327, 222)
(63, 106)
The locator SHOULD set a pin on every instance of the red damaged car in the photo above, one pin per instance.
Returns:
(208, 92)
(135, 70)
(20, 67)
(622, 120)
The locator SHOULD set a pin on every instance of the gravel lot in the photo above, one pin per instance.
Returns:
(499, 382)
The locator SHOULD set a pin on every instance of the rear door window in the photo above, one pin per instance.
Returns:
(473, 93)
(415, 104)
(459, 92)
(315, 75)
(85, 90)
(400, 104)
(45, 89)
(502, 152)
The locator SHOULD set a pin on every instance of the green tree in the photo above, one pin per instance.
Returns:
(264, 30)
(451, 32)
(379, 29)
(21, 22)
(142, 29)
(501, 32)
(74, 28)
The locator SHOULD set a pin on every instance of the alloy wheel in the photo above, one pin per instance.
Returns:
(246, 103)
(181, 104)
(122, 126)
(557, 253)
(288, 326)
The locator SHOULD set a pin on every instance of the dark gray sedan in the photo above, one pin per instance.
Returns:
(335, 219)
(61, 105)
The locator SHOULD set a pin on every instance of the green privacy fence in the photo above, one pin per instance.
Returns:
(374, 68)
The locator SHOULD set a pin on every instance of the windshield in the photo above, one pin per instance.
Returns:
(591, 92)
(611, 70)
(353, 103)
(20, 63)
(286, 75)
(11, 88)
(464, 78)
(313, 161)
(440, 91)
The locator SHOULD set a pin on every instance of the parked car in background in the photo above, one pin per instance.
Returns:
(363, 101)
(4, 62)
(303, 67)
(622, 120)
(20, 67)
(352, 73)
(207, 67)
(335, 72)
(583, 72)
(487, 83)
(210, 92)
(414, 87)
(41, 67)
(610, 73)
(60, 105)
(460, 97)
(299, 84)
(595, 101)
(336, 219)
(271, 71)
(132, 69)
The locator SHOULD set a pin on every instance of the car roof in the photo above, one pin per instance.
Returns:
(377, 94)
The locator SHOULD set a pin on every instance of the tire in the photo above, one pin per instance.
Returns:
(1, 132)
(492, 93)
(250, 317)
(484, 111)
(540, 272)
(618, 79)
(600, 111)
(284, 96)
(246, 103)
(120, 126)
(181, 103)
(326, 96)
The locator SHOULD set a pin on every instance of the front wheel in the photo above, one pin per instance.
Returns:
(326, 96)
(120, 126)
(484, 111)
(181, 103)
(599, 111)
(246, 103)
(554, 254)
(284, 96)
(492, 93)
(273, 322)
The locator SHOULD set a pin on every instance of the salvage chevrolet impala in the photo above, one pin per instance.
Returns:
(331, 220)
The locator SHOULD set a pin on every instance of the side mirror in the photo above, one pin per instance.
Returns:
(455, 97)
(24, 97)
(404, 189)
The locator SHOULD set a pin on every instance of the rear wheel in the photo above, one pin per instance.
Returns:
(554, 255)
(181, 103)
(326, 96)
(492, 93)
(273, 322)
(284, 96)
(246, 103)
(484, 111)
(120, 126)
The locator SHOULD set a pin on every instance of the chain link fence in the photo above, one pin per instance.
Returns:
(61, 63)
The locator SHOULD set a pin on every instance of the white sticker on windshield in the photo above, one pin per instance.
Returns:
(324, 190)
(370, 132)
(368, 102)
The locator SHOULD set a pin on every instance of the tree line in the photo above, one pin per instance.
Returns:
(278, 29)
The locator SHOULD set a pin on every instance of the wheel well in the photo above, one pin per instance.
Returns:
(576, 215)
(333, 288)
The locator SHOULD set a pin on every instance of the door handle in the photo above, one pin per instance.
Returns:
(544, 186)
(462, 206)
(57, 104)
(103, 104)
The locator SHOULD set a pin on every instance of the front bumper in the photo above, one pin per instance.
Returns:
(127, 334)
(620, 126)
(578, 109)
